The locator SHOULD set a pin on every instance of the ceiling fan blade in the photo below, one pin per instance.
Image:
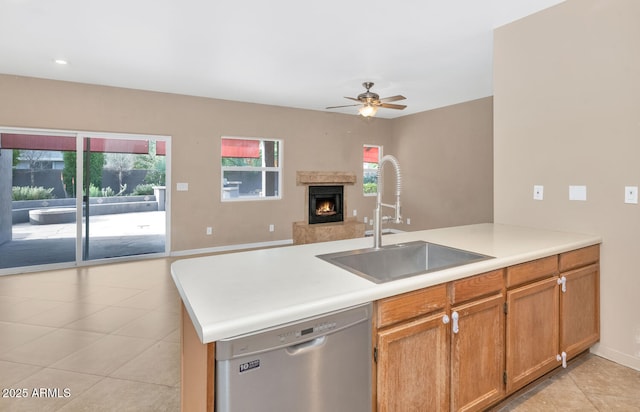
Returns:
(392, 106)
(337, 107)
(392, 98)
(352, 98)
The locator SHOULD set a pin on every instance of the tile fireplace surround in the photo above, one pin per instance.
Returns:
(303, 232)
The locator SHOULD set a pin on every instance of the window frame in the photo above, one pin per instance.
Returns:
(263, 169)
(365, 169)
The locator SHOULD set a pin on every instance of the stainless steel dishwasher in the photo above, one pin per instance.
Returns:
(319, 364)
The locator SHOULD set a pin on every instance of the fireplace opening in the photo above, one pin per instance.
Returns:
(325, 204)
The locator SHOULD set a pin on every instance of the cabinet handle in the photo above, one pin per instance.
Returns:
(563, 281)
(563, 358)
(455, 317)
(445, 319)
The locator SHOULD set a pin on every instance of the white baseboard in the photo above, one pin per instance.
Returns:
(624, 359)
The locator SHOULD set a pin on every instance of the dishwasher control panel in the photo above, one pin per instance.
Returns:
(292, 333)
(320, 328)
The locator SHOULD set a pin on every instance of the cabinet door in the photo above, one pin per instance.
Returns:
(580, 310)
(413, 366)
(532, 331)
(477, 354)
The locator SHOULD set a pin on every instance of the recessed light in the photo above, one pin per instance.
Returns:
(61, 62)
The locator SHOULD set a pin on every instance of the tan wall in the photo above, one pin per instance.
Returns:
(448, 154)
(312, 141)
(567, 112)
(427, 146)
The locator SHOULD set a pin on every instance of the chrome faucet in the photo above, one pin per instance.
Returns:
(377, 213)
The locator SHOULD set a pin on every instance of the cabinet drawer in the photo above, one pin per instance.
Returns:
(409, 305)
(580, 257)
(530, 271)
(477, 286)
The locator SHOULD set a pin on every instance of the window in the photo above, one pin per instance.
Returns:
(251, 169)
(370, 160)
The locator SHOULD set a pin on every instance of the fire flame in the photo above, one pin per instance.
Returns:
(325, 208)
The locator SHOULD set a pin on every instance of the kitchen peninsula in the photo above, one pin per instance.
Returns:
(237, 293)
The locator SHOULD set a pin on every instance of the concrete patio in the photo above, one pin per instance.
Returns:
(114, 235)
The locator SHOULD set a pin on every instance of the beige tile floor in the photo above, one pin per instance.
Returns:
(109, 336)
(589, 384)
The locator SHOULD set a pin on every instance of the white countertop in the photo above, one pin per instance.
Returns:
(231, 294)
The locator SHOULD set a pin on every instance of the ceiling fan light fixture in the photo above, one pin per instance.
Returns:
(368, 110)
(370, 102)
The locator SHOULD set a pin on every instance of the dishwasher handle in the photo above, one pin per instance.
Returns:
(300, 348)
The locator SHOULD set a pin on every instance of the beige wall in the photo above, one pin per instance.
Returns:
(313, 140)
(448, 154)
(567, 112)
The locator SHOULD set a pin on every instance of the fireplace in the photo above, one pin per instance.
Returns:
(326, 204)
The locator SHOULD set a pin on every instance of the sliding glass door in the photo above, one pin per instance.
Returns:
(68, 198)
(123, 197)
(37, 210)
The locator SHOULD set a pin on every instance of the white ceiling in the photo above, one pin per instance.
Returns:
(291, 53)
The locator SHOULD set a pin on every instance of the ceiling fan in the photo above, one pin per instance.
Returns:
(370, 102)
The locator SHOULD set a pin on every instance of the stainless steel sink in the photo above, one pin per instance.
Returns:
(401, 260)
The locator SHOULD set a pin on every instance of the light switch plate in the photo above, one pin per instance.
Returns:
(631, 194)
(182, 187)
(538, 192)
(577, 193)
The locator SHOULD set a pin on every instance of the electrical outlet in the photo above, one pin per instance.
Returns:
(366, 219)
(355, 212)
(631, 194)
(408, 221)
(272, 227)
(538, 192)
(209, 230)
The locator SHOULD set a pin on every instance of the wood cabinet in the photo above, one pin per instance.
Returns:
(412, 351)
(533, 321)
(410, 305)
(579, 300)
(442, 348)
(552, 313)
(477, 341)
(413, 366)
(532, 332)
(469, 345)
